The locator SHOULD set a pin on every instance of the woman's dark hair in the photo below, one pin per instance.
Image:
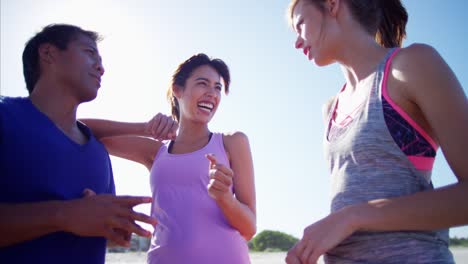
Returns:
(185, 70)
(59, 35)
(384, 19)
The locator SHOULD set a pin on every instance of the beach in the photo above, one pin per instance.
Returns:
(140, 257)
(460, 254)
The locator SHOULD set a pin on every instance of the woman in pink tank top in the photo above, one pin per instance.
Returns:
(382, 131)
(202, 182)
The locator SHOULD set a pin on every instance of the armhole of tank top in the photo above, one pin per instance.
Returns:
(163, 147)
(397, 108)
(223, 147)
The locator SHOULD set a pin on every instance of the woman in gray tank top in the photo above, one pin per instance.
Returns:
(384, 208)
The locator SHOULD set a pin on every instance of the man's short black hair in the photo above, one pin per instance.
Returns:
(59, 35)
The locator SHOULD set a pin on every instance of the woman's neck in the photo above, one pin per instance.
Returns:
(357, 52)
(360, 59)
(190, 138)
(192, 132)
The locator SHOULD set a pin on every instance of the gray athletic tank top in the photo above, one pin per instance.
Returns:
(366, 164)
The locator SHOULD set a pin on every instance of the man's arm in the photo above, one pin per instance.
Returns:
(160, 127)
(99, 215)
(21, 222)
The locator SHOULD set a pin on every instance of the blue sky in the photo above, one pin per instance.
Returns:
(276, 94)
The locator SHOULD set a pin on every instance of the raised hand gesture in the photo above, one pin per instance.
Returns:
(219, 187)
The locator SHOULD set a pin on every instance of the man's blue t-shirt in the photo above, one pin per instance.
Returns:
(38, 162)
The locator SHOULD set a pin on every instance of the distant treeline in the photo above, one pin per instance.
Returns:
(267, 240)
(277, 241)
(458, 242)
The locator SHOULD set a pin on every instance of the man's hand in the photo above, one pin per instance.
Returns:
(127, 236)
(107, 216)
(162, 127)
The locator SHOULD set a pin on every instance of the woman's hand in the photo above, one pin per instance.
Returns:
(219, 187)
(322, 236)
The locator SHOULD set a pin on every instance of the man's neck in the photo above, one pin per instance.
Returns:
(58, 107)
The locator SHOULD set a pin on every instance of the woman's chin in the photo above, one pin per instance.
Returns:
(321, 62)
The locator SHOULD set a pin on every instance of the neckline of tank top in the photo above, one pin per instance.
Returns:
(379, 68)
(171, 143)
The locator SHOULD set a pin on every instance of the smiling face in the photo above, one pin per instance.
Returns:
(79, 68)
(201, 95)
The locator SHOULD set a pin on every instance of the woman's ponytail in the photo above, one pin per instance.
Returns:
(392, 27)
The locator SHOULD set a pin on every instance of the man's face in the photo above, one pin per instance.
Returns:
(79, 68)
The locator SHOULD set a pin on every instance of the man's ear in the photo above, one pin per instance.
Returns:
(333, 6)
(46, 53)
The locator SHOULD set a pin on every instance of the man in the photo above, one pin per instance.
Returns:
(57, 203)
